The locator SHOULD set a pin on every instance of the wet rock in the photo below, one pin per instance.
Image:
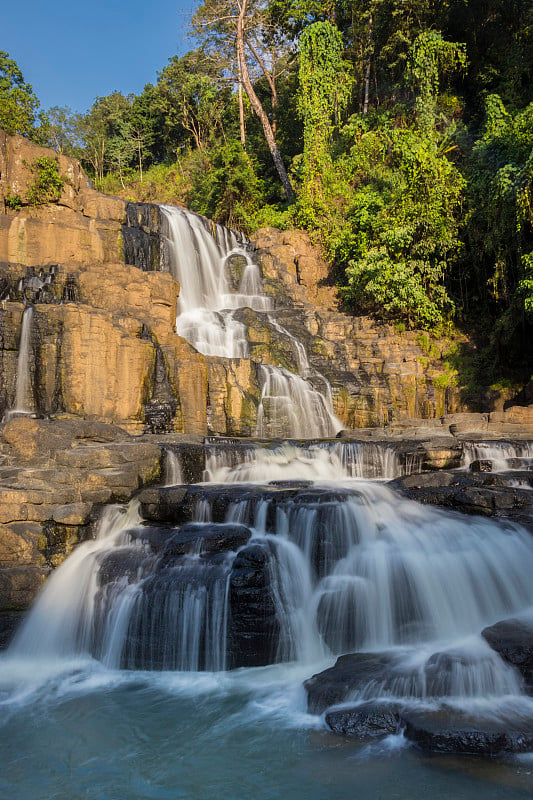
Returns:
(154, 536)
(253, 629)
(453, 732)
(165, 504)
(192, 460)
(481, 465)
(470, 492)
(9, 623)
(349, 674)
(123, 562)
(210, 537)
(365, 722)
(512, 639)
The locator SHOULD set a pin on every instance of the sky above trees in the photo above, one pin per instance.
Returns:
(72, 52)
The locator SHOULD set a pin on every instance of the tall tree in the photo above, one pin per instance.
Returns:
(18, 102)
(232, 34)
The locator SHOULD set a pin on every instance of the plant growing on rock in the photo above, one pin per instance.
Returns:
(48, 183)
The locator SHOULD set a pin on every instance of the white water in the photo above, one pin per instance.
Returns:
(497, 452)
(290, 405)
(354, 568)
(173, 470)
(24, 400)
(198, 260)
(317, 461)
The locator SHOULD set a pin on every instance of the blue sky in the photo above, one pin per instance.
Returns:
(73, 52)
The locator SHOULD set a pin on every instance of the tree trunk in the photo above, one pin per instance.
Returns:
(258, 108)
(242, 129)
(272, 84)
(368, 67)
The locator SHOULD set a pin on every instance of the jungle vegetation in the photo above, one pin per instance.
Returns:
(398, 132)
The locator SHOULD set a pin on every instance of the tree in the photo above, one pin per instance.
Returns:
(192, 103)
(231, 34)
(430, 58)
(18, 103)
(63, 130)
(324, 91)
(257, 105)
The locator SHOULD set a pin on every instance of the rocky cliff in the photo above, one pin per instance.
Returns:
(105, 363)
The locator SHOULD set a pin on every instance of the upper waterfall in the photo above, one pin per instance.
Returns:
(218, 276)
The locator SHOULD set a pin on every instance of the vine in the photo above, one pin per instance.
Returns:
(430, 57)
(325, 84)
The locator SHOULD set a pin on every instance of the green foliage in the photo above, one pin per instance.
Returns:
(396, 237)
(18, 103)
(162, 183)
(227, 189)
(324, 91)
(47, 184)
(62, 131)
(429, 59)
(500, 222)
(525, 287)
(13, 201)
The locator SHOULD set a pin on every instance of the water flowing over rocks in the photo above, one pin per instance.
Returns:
(143, 344)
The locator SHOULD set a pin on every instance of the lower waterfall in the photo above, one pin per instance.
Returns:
(167, 657)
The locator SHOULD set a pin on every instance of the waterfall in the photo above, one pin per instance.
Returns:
(499, 453)
(218, 276)
(322, 568)
(325, 460)
(199, 259)
(172, 468)
(24, 397)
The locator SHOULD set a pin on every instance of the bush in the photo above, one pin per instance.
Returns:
(48, 183)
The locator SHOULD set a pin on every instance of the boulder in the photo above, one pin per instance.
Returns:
(253, 629)
(512, 639)
(455, 732)
(205, 537)
(350, 673)
(365, 722)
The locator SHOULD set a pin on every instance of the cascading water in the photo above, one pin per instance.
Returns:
(200, 259)
(166, 657)
(320, 460)
(499, 453)
(288, 570)
(24, 398)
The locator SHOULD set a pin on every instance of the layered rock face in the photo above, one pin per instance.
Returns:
(54, 477)
(104, 344)
(102, 348)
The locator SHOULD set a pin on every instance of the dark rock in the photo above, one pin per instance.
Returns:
(469, 492)
(205, 537)
(291, 484)
(154, 536)
(122, 562)
(452, 732)
(512, 639)
(481, 465)
(253, 630)
(192, 460)
(349, 674)
(9, 622)
(165, 504)
(365, 722)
